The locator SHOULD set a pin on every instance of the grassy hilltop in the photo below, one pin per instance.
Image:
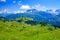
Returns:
(27, 29)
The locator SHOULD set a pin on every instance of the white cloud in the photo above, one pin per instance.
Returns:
(39, 7)
(2, 0)
(18, 11)
(5, 11)
(22, 9)
(36, 7)
(15, 12)
(25, 7)
(52, 12)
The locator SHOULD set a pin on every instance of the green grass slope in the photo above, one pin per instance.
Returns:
(13, 30)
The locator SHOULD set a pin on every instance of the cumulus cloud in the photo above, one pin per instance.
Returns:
(22, 9)
(25, 7)
(37, 7)
(2, 0)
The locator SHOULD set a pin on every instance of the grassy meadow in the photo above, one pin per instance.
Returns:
(20, 30)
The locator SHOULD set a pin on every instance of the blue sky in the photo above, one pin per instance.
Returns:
(22, 5)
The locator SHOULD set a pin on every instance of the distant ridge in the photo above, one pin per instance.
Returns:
(36, 15)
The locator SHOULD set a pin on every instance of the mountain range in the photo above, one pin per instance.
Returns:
(47, 16)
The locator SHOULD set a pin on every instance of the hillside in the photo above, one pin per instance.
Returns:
(27, 29)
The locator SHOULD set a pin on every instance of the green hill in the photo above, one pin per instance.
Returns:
(27, 30)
